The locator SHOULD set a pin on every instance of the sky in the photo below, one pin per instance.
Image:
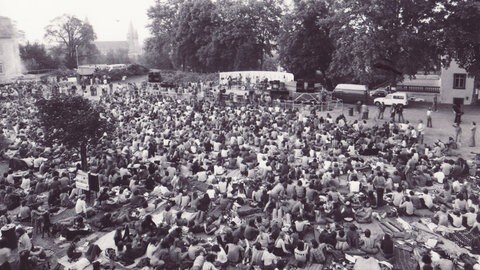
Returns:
(110, 18)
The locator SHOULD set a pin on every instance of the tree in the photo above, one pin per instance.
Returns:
(197, 19)
(159, 47)
(210, 36)
(74, 122)
(461, 34)
(74, 36)
(35, 57)
(305, 46)
(157, 52)
(378, 40)
(118, 56)
(266, 17)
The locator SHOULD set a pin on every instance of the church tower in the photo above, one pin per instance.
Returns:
(133, 44)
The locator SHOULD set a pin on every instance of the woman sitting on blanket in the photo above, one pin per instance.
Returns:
(364, 214)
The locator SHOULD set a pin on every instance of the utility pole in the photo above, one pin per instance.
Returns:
(76, 53)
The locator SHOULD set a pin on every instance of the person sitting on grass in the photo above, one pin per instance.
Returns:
(386, 247)
(301, 254)
(456, 219)
(72, 252)
(342, 244)
(406, 208)
(368, 243)
(24, 214)
(441, 217)
(364, 214)
(353, 237)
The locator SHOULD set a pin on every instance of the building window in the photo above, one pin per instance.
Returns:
(459, 81)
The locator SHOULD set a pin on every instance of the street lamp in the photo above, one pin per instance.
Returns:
(76, 53)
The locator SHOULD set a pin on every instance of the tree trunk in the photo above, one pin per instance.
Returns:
(83, 156)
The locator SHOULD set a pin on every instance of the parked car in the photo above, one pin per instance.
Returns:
(416, 99)
(381, 92)
(398, 98)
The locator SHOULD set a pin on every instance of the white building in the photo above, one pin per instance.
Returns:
(457, 86)
(10, 63)
(452, 85)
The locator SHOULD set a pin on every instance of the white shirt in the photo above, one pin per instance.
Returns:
(428, 200)
(222, 187)
(25, 185)
(354, 186)
(440, 176)
(471, 217)
(456, 220)
(80, 206)
(211, 193)
(420, 128)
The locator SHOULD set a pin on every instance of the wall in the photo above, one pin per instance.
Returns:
(447, 93)
(10, 59)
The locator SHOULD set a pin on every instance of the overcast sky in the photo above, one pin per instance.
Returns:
(109, 18)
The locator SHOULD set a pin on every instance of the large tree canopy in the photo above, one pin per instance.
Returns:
(74, 122)
(209, 36)
(461, 34)
(383, 37)
(358, 41)
(35, 57)
(305, 47)
(73, 36)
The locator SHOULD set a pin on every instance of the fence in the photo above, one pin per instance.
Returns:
(234, 100)
(418, 89)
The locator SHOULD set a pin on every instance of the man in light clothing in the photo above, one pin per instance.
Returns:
(81, 206)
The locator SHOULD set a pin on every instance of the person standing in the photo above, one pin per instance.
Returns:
(392, 112)
(399, 109)
(429, 118)
(381, 110)
(435, 103)
(473, 130)
(379, 184)
(458, 133)
(420, 130)
(457, 110)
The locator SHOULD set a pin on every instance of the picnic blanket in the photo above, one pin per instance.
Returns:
(462, 238)
(404, 260)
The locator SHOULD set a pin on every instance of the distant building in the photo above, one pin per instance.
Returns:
(105, 46)
(131, 46)
(452, 85)
(10, 63)
(134, 49)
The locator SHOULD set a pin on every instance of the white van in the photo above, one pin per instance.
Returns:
(397, 98)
